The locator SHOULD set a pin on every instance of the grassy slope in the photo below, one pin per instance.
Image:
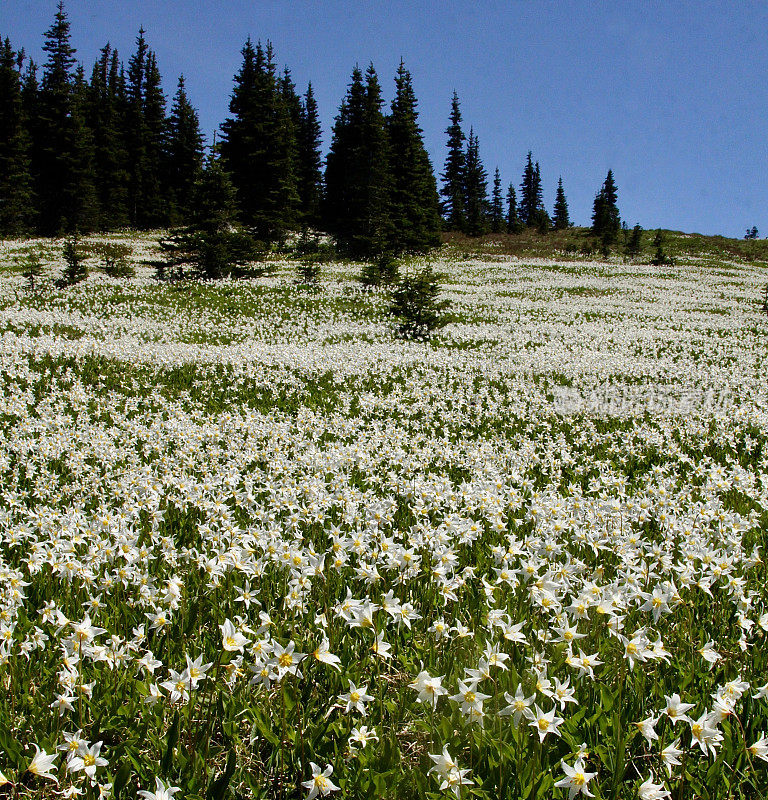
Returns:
(574, 241)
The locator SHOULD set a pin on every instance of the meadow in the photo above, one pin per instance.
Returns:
(253, 545)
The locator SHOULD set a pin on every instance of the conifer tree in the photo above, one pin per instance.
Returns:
(635, 241)
(79, 198)
(259, 147)
(357, 176)
(561, 220)
(309, 161)
(530, 193)
(54, 108)
(212, 245)
(16, 196)
(155, 212)
(136, 131)
(497, 204)
(475, 189)
(453, 176)
(185, 153)
(606, 221)
(105, 117)
(414, 205)
(344, 163)
(514, 224)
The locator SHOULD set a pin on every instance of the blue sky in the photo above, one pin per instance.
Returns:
(673, 96)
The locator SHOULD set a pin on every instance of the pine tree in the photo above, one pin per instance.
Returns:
(475, 189)
(414, 204)
(606, 221)
(259, 147)
(16, 197)
(514, 224)
(54, 109)
(185, 153)
(309, 167)
(530, 193)
(212, 245)
(357, 176)
(497, 204)
(155, 211)
(635, 241)
(80, 200)
(105, 118)
(453, 176)
(561, 220)
(136, 131)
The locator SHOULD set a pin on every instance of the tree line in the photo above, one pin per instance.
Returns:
(79, 154)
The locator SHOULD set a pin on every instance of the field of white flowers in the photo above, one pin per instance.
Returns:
(254, 546)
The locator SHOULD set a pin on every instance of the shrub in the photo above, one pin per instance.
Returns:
(309, 270)
(75, 270)
(383, 270)
(416, 307)
(32, 269)
(660, 258)
(114, 257)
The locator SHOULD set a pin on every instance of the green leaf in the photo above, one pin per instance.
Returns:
(171, 739)
(218, 786)
(122, 776)
(265, 729)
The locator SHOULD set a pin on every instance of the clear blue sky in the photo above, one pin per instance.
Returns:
(673, 96)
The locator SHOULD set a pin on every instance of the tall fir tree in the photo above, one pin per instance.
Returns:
(414, 204)
(259, 147)
(17, 210)
(54, 109)
(475, 189)
(560, 218)
(357, 176)
(530, 193)
(212, 244)
(453, 175)
(606, 220)
(156, 206)
(184, 154)
(136, 131)
(514, 224)
(80, 199)
(497, 204)
(105, 113)
(309, 161)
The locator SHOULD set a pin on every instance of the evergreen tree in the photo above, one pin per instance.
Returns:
(453, 176)
(497, 204)
(606, 221)
(531, 202)
(212, 245)
(357, 177)
(514, 224)
(80, 200)
(105, 119)
(136, 132)
(475, 189)
(185, 153)
(414, 204)
(16, 196)
(259, 147)
(155, 211)
(561, 220)
(309, 167)
(54, 108)
(344, 163)
(635, 241)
